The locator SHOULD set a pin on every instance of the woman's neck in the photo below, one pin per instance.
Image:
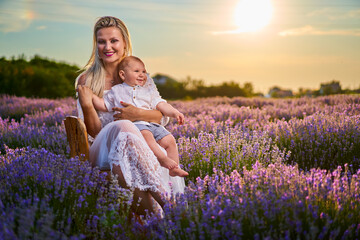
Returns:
(111, 69)
(112, 75)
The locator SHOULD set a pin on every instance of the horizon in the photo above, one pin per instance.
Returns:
(291, 44)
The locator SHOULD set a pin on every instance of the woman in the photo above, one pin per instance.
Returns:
(119, 145)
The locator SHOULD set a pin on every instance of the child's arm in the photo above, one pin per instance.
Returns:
(99, 103)
(170, 111)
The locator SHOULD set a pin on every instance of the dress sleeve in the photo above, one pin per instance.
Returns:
(155, 95)
(81, 115)
(79, 109)
(156, 98)
(109, 99)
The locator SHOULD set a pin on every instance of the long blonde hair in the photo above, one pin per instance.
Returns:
(94, 70)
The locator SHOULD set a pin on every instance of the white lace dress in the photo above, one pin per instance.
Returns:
(120, 143)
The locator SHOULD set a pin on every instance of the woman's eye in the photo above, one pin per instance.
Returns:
(100, 41)
(114, 40)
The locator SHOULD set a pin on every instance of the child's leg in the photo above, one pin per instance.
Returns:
(164, 160)
(169, 144)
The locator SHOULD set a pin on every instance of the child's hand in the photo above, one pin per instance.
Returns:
(180, 118)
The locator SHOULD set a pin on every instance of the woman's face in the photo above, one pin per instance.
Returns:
(110, 44)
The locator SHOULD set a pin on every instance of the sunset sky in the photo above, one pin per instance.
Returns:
(286, 43)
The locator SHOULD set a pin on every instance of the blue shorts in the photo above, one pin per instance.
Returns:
(158, 131)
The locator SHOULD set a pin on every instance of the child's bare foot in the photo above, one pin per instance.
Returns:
(178, 172)
(168, 163)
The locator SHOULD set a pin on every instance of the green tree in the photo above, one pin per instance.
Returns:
(38, 77)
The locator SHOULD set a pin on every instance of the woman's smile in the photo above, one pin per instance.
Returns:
(109, 54)
(110, 44)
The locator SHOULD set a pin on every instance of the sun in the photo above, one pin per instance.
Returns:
(253, 15)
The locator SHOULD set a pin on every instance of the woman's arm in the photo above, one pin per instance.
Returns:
(91, 119)
(132, 113)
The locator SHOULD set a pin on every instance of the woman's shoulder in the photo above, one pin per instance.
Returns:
(81, 79)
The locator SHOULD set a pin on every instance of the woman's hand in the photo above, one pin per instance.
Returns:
(132, 113)
(85, 96)
(91, 119)
(128, 112)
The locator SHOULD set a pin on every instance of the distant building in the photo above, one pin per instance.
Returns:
(306, 92)
(277, 92)
(161, 79)
(330, 88)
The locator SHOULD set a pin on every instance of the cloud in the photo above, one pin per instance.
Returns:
(354, 13)
(15, 17)
(335, 14)
(86, 12)
(237, 31)
(323, 12)
(41, 27)
(64, 11)
(309, 30)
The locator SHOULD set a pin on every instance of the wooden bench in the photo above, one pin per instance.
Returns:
(78, 140)
(77, 137)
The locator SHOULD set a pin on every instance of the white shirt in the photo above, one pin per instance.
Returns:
(145, 97)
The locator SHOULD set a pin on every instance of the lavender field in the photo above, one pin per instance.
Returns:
(258, 169)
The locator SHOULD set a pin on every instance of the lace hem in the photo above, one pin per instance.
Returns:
(139, 166)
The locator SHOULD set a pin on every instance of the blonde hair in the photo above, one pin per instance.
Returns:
(94, 70)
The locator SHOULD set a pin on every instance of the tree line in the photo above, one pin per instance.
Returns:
(193, 88)
(45, 78)
(37, 77)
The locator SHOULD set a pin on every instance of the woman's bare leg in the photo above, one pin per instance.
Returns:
(146, 162)
(158, 198)
(142, 202)
(117, 171)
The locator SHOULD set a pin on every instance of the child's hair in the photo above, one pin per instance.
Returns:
(126, 60)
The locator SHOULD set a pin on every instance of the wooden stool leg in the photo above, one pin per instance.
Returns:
(77, 137)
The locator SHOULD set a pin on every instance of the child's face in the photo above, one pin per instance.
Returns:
(134, 74)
